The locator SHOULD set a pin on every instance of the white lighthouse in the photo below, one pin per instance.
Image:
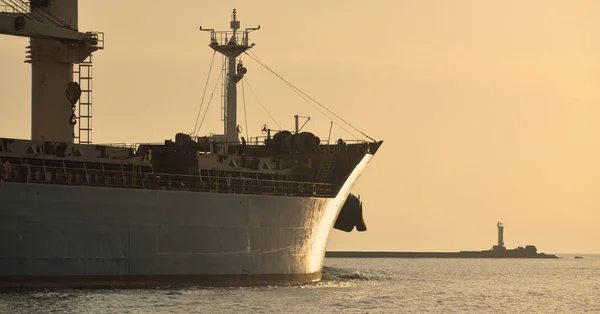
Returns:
(500, 235)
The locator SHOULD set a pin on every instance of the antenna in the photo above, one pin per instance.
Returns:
(231, 44)
(297, 127)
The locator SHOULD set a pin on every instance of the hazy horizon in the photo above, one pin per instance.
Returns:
(488, 110)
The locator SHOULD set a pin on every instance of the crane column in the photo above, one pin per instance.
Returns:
(51, 72)
(55, 46)
(53, 94)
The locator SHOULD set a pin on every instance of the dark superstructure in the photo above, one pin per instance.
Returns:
(289, 164)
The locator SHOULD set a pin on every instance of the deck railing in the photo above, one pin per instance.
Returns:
(224, 38)
(255, 141)
(144, 178)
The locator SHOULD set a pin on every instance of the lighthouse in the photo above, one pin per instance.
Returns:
(500, 245)
(500, 234)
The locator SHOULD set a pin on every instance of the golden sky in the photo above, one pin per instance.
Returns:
(488, 109)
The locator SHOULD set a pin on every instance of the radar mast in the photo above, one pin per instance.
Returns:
(231, 44)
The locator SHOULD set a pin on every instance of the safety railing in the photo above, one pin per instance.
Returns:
(96, 39)
(133, 146)
(140, 178)
(225, 38)
(252, 141)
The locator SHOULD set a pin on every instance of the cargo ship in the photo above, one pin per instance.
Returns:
(215, 210)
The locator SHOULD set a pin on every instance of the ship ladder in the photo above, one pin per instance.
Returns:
(83, 74)
(327, 168)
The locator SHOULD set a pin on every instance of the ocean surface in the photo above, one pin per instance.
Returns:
(352, 285)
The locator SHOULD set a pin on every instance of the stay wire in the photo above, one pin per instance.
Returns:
(209, 101)
(307, 100)
(299, 90)
(245, 111)
(204, 93)
(313, 125)
(258, 100)
(293, 88)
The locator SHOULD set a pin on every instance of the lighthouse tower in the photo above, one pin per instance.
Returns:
(500, 245)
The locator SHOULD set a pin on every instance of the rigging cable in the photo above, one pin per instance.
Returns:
(21, 7)
(267, 111)
(296, 88)
(209, 101)
(204, 93)
(16, 9)
(245, 111)
(313, 125)
(305, 99)
(224, 67)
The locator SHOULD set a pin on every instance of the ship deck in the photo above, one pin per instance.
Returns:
(33, 170)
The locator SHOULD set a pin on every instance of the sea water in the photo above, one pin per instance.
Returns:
(565, 285)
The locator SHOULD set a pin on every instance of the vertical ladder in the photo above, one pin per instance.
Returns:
(327, 168)
(83, 74)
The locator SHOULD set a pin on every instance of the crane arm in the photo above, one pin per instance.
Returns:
(18, 24)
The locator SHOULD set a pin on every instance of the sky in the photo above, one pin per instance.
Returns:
(488, 109)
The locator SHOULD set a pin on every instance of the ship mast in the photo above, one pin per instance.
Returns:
(231, 44)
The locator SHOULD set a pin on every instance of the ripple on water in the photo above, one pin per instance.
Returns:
(357, 285)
